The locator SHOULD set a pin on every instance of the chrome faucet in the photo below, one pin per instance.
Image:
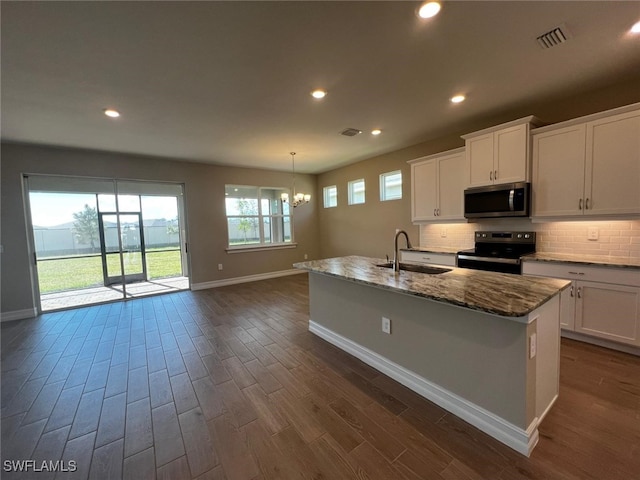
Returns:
(396, 260)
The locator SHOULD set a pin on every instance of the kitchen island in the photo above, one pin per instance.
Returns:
(482, 345)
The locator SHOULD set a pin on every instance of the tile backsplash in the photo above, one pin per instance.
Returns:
(619, 238)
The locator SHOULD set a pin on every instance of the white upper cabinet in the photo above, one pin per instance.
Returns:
(612, 176)
(558, 171)
(588, 168)
(437, 187)
(499, 154)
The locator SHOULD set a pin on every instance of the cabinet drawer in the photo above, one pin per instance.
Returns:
(447, 259)
(572, 271)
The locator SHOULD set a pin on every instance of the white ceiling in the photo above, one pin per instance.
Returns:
(229, 82)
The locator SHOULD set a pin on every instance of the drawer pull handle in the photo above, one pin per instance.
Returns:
(426, 258)
(576, 273)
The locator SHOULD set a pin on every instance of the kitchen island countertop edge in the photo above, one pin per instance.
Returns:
(494, 293)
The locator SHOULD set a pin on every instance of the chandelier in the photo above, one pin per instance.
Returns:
(298, 198)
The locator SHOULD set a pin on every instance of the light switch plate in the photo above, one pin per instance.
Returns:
(592, 233)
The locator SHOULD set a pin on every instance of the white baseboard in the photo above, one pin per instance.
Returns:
(601, 342)
(248, 278)
(522, 441)
(18, 315)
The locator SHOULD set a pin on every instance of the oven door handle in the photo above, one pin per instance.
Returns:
(510, 261)
(511, 195)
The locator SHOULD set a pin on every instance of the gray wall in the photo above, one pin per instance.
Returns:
(369, 229)
(204, 201)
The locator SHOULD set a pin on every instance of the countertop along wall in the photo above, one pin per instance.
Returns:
(205, 211)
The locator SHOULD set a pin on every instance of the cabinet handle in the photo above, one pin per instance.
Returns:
(580, 204)
(576, 273)
(438, 212)
(426, 258)
(571, 291)
(495, 174)
(434, 212)
(586, 204)
(490, 175)
(579, 292)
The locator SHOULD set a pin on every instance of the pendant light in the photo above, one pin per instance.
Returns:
(298, 198)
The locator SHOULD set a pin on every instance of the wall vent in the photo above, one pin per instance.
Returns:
(350, 132)
(554, 37)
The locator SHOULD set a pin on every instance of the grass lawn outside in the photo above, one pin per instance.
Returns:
(58, 275)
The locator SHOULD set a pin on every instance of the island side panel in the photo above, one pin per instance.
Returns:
(547, 322)
(477, 356)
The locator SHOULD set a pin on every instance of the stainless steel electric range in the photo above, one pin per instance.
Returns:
(498, 251)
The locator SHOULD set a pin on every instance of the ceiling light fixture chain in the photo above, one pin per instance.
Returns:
(298, 198)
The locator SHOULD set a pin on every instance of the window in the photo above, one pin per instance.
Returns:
(391, 186)
(256, 216)
(356, 191)
(330, 195)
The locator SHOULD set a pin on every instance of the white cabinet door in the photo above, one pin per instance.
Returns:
(558, 172)
(424, 195)
(451, 184)
(480, 160)
(608, 311)
(511, 152)
(613, 165)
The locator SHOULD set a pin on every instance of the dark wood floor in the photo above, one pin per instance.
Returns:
(228, 383)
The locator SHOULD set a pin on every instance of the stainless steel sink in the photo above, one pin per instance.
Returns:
(412, 267)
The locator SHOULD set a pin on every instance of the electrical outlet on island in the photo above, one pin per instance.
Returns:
(386, 325)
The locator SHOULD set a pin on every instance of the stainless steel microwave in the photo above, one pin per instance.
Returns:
(506, 200)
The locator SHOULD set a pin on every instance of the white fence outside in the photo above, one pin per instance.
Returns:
(55, 242)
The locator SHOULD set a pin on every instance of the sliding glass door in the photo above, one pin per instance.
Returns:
(97, 240)
(122, 245)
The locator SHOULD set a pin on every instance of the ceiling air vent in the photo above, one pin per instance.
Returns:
(350, 132)
(554, 37)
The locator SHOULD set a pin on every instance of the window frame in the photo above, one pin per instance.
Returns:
(326, 196)
(351, 192)
(261, 218)
(383, 186)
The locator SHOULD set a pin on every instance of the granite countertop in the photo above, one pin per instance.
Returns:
(596, 260)
(447, 250)
(495, 293)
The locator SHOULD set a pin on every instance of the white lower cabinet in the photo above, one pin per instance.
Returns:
(608, 311)
(446, 259)
(606, 304)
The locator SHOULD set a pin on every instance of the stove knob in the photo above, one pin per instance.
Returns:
(484, 235)
(519, 235)
(526, 235)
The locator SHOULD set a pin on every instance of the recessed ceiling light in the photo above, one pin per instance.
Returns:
(376, 131)
(457, 99)
(429, 9)
(318, 94)
(110, 112)
(636, 28)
